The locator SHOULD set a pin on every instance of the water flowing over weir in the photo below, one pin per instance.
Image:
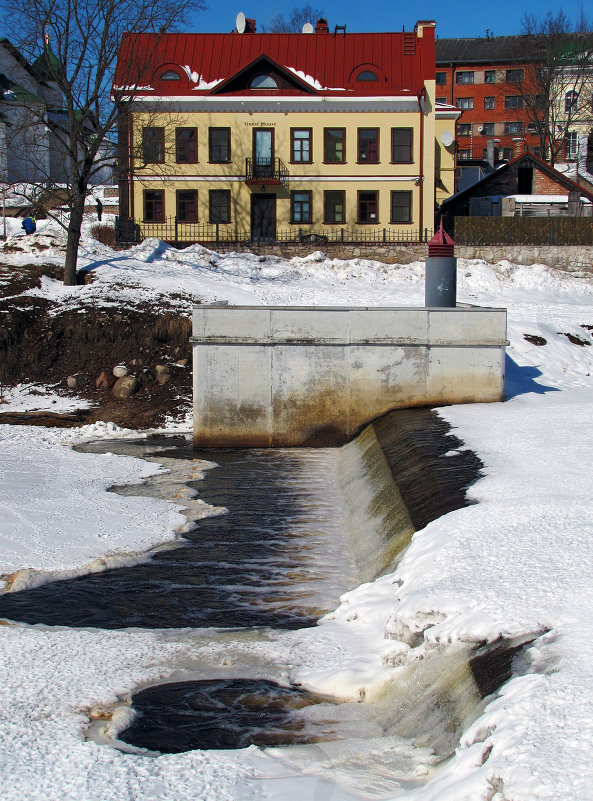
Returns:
(302, 527)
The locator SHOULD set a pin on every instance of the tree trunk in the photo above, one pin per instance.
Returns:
(76, 215)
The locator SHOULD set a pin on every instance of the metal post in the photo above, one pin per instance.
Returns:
(217, 232)
(176, 232)
(341, 234)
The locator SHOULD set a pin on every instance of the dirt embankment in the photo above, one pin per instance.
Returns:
(41, 344)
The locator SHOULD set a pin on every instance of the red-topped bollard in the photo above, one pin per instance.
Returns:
(440, 281)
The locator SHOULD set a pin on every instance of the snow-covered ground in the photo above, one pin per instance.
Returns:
(517, 562)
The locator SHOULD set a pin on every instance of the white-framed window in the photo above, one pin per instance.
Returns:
(571, 102)
(572, 144)
(465, 77)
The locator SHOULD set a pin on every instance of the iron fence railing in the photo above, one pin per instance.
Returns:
(176, 232)
(265, 171)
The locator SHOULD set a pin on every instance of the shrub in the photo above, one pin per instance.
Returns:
(104, 234)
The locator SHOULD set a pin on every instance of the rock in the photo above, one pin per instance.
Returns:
(163, 374)
(125, 386)
(105, 380)
(137, 362)
(120, 371)
(71, 382)
(182, 362)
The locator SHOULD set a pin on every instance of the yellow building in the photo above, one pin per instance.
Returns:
(247, 136)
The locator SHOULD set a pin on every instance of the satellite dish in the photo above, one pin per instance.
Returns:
(308, 28)
(447, 138)
(240, 22)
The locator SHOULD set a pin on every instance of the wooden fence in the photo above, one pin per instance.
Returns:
(523, 231)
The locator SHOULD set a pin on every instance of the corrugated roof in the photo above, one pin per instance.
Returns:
(504, 49)
(326, 63)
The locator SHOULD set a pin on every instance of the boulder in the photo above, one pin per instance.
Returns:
(163, 374)
(125, 386)
(182, 362)
(105, 380)
(71, 382)
(120, 371)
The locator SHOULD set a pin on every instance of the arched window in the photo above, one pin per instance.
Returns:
(366, 75)
(170, 75)
(571, 101)
(263, 82)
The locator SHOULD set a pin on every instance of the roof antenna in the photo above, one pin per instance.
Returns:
(341, 28)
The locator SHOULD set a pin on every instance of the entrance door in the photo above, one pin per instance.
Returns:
(263, 217)
(263, 153)
(525, 180)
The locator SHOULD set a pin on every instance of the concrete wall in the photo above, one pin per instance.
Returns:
(313, 376)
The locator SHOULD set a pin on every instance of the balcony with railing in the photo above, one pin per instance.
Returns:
(265, 171)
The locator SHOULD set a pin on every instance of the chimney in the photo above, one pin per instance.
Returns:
(321, 26)
(249, 25)
(440, 280)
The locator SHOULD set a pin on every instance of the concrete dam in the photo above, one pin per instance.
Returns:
(286, 376)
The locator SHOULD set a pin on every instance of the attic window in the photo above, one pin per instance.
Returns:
(263, 82)
(170, 75)
(366, 75)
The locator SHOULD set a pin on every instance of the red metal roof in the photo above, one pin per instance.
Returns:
(329, 64)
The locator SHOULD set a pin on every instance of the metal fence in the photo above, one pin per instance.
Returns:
(175, 232)
(523, 231)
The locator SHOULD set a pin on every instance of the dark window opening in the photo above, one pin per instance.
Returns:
(368, 145)
(300, 207)
(153, 145)
(401, 207)
(219, 205)
(334, 207)
(334, 145)
(366, 75)
(154, 205)
(263, 82)
(401, 145)
(525, 180)
(219, 145)
(187, 205)
(368, 207)
(186, 145)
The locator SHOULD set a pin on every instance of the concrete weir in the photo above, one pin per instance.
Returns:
(299, 376)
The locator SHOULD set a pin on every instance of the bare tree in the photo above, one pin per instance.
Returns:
(80, 41)
(295, 20)
(559, 63)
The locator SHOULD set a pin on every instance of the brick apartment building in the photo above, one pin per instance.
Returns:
(481, 77)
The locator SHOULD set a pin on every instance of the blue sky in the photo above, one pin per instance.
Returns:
(456, 18)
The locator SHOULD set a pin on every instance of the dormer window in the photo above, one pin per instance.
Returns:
(366, 75)
(263, 82)
(170, 75)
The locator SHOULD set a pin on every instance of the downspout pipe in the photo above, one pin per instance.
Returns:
(421, 99)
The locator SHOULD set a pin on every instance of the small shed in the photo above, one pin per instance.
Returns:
(526, 186)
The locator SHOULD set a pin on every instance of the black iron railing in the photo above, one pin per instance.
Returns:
(265, 171)
(178, 232)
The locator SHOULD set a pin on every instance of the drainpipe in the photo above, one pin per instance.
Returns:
(131, 170)
(421, 96)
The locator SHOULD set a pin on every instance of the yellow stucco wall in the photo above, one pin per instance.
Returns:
(317, 177)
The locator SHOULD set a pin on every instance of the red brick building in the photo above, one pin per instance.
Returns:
(481, 77)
